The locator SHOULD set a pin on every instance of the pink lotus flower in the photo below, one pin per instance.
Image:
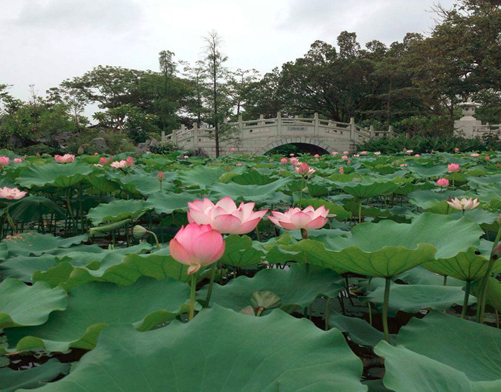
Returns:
(344, 157)
(197, 245)
(334, 152)
(316, 156)
(363, 153)
(403, 165)
(456, 149)
(186, 157)
(356, 155)
(130, 161)
(119, 164)
(11, 193)
(474, 155)
(18, 160)
(453, 168)
(304, 170)
(291, 154)
(377, 153)
(443, 182)
(295, 161)
(239, 164)
(161, 176)
(341, 171)
(409, 152)
(224, 216)
(96, 153)
(417, 155)
(464, 203)
(294, 219)
(283, 160)
(4, 161)
(233, 149)
(66, 158)
(487, 158)
(103, 161)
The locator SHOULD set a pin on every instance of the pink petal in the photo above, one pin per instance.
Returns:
(248, 226)
(227, 204)
(288, 225)
(300, 219)
(193, 268)
(199, 217)
(178, 252)
(226, 223)
(207, 246)
(275, 220)
(316, 223)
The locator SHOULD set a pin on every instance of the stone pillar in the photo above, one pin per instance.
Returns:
(371, 130)
(173, 137)
(316, 124)
(195, 135)
(261, 120)
(279, 123)
(352, 129)
(390, 131)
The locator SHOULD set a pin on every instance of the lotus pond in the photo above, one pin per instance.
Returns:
(317, 273)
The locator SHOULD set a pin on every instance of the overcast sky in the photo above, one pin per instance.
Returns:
(43, 42)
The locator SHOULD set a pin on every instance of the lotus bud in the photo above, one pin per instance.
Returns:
(161, 176)
(248, 310)
(263, 300)
(496, 252)
(80, 150)
(139, 231)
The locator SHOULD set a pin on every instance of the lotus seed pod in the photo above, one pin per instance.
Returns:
(265, 300)
(139, 231)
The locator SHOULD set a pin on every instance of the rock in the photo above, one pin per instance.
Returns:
(100, 144)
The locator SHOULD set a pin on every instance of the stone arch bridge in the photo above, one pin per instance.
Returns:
(259, 136)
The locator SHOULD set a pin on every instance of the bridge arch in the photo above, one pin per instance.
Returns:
(294, 140)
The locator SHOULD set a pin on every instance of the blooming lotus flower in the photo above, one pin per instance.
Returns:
(464, 203)
(224, 216)
(356, 155)
(291, 154)
(334, 152)
(119, 164)
(130, 161)
(346, 152)
(186, 157)
(456, 149)
(453, 168)
(363, 153)
(295, 161)
(197, 245)
(409, 152)
(487, 158)
(341, 171)
(417, 155)
(443, 182)
(316, 156)
(474, 155)
(283, 160)
(11, 193)
(66, 158)
(18, 160)
(233, 149)
(103, 161)
(239, 164)
(344, 157)
(403, 165)
(4, 161)
(377, 153)
(304, 170)
(295, 218)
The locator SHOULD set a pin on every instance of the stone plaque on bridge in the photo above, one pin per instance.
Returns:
(297, 129)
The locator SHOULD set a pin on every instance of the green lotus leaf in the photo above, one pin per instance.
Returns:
(426, 199)
(489, 193)
(22, 305)
(118, 210)
(369, 189)
(413, 298)
(359, 331)
(127, 270)
(101, 184)
(296, 287)
(33, 208)
(442, 353)
(36, 244)
(484, 180)
(93, 306)
(470, 265)
(387, 248)
(422, 276)
(201, 176)
(35, 377)
(269, 193)
(239, 252)
(167, 203)
(477, 215)
(253, 178)
(274, 251)
(54, 174)
(295, 356)
(146, 184)
(493, 292)
(422, 171)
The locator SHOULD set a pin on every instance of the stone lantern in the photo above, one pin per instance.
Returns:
(467, 125)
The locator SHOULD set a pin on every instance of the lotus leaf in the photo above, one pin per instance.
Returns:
(118, 210)
(93, 306)
(222, 351)
(201, 176)
(36, 244)
(22, 305)
(54, 174)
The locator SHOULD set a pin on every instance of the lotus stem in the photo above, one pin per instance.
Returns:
(258, 234)
(466, 298)
(211, 283)
(385, 309)
(193, 290)
(445, 280)
(9, 219)
(156, 238)
(497, 318)
(327, 313)
(259, 311)
(360, 212)
(482, 293)
(369, 305)
(304, 234)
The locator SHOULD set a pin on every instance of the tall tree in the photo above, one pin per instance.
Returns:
(214, 62)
